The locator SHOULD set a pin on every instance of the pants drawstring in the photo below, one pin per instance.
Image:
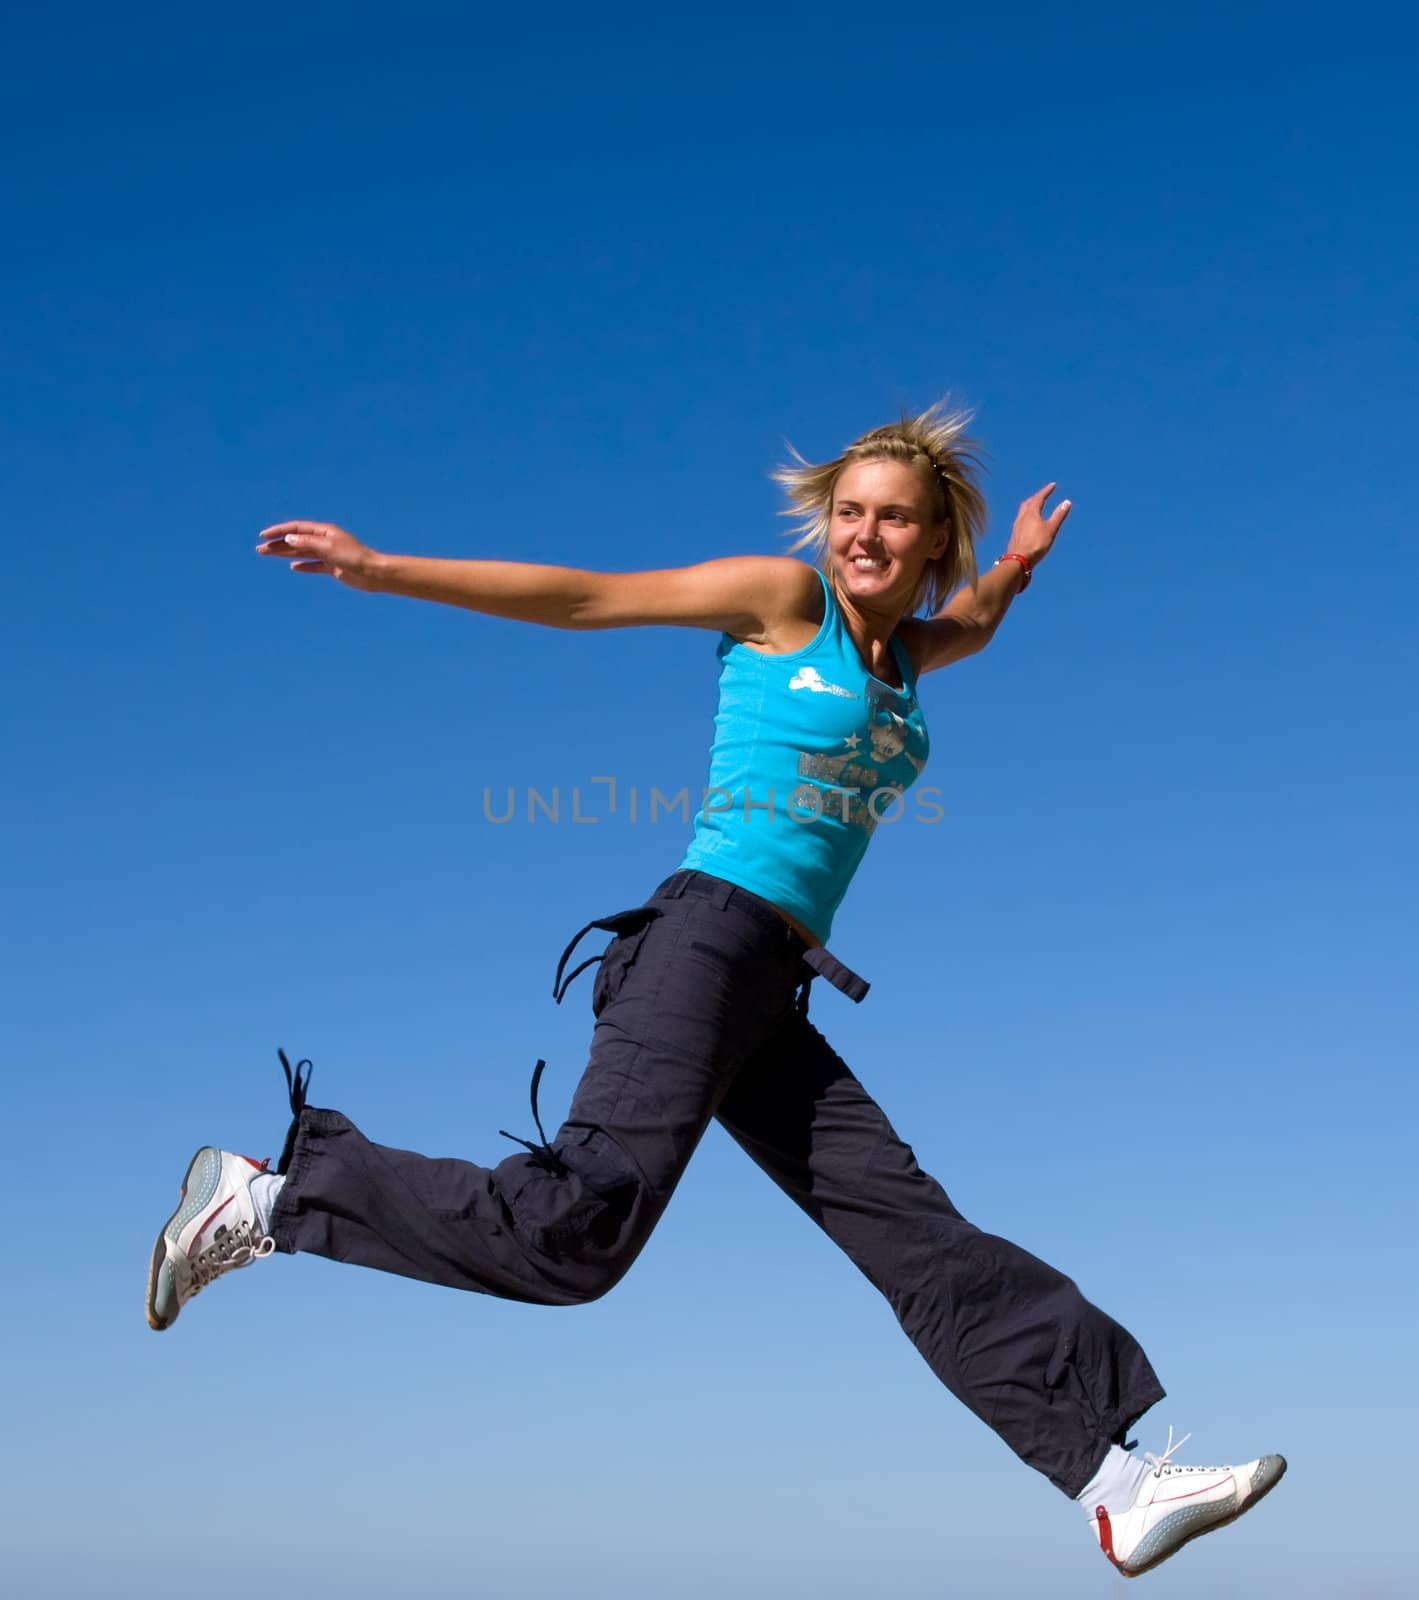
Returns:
(296, 1087)
(621, 922)
(543, 1154)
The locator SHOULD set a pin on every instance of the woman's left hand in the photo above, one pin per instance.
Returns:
(1034, 532)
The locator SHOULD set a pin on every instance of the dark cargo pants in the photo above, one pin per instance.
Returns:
(700, 1004)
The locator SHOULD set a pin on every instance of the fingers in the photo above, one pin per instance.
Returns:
(310, 541)
(1034, 532)
(284, 538)
(278, 530)
(1036, 502)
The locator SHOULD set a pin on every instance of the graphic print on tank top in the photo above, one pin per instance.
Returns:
(887, 751)
(811, 752)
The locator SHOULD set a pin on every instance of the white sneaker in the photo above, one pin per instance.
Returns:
(1175, 1504)
(214, 1229)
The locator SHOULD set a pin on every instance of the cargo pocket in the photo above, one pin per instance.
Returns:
(589, 1206)
(629, 928)
(616, 961)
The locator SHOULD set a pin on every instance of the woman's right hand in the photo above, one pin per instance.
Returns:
(321, 547)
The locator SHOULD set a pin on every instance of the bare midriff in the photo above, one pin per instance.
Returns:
(810, 939)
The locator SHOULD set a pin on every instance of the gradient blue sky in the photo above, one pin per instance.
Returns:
(557, 285)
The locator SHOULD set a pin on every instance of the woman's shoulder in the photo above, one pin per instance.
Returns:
(793, 604)
(799, 587)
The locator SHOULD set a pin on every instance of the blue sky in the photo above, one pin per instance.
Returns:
(558, 286)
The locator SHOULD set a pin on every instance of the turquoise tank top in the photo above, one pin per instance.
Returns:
(810, 753)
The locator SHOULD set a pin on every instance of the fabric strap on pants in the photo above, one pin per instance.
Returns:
(818, 960)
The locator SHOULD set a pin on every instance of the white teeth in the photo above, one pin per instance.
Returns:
(868, 561)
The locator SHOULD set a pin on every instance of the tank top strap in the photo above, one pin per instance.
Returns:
(905, 665)
(839, 641)
(836, 640)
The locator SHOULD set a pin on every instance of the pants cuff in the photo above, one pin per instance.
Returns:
(1114, 1428)
(306, 1138)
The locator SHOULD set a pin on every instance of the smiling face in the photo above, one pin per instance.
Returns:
(883, 531)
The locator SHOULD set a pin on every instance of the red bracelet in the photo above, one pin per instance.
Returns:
(1024, 563)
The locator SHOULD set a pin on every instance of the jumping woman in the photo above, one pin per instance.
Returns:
(701, 997)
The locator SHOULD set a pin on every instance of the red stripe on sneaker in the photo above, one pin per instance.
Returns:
(1207, 1488)
(1106, 1533)
(207, 1221)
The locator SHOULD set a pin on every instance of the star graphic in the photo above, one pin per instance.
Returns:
(852, 741)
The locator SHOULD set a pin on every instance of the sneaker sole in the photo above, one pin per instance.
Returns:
(1269, 1472)
(199, 1184)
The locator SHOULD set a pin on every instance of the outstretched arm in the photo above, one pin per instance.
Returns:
(748, 596)
(967, 622)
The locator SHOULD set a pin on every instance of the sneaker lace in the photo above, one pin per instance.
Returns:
(1161, 1464)
(237, 1247)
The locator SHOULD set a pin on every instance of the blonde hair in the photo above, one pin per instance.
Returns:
(935, 440)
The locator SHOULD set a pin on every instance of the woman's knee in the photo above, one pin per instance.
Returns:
(584, 1215)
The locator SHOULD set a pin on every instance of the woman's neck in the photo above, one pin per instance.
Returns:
(871, 632)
